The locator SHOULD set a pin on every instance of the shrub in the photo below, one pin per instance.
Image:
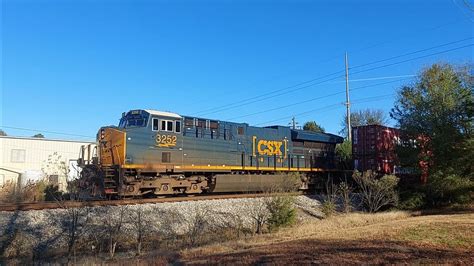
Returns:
(281, 210)
(377, 192)
(329, 202)
(290, 182)
(345, 192)
(445, 189)
(328, 208)
(52, 193)
(413, 200)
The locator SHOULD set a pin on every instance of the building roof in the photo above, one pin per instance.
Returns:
(45, 139)
(161, 113)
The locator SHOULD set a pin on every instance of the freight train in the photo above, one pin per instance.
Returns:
(162, 153)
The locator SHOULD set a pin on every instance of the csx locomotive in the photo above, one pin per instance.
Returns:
(161, 153)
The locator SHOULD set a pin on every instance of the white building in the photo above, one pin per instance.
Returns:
(24, 160)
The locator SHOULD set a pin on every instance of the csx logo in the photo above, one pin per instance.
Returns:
(269, 147)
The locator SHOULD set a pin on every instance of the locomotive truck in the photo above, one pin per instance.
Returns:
(162, 153)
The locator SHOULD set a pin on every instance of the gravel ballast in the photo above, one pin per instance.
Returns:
(49, 226)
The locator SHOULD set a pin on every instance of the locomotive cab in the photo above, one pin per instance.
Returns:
(158, 131)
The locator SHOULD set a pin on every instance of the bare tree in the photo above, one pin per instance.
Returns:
(377, 192)
(329, 201)
(197, 227)
(112, 223)
(75, 223)
(222, 226)
(260, 215)
(364, 117)
(345, 191)
(167, 230)
(140, 221)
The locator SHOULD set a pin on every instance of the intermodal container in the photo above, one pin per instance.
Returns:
(373, 148)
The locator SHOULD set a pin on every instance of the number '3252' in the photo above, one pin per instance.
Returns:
(165, 140)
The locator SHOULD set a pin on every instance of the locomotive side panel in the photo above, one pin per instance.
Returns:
(229, 146)
(164, 153)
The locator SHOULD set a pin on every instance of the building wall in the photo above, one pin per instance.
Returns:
(31, 159)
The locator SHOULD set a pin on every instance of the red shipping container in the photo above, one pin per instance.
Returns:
(373, 148)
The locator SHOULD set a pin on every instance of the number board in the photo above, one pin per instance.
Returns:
(163, 140)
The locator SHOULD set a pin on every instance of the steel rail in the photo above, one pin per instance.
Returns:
(27, 206)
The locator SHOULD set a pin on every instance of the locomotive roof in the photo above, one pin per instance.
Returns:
(315, 136)
(301, 135)
(161, 113)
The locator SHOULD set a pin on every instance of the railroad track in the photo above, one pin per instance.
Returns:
(26, 206)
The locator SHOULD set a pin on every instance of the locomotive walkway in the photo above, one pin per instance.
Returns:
(26, 206)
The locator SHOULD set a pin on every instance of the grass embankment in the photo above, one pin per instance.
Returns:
(393, 237)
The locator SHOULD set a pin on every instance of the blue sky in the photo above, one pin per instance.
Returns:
(73, 66)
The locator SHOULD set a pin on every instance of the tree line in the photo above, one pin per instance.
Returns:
(435, 115)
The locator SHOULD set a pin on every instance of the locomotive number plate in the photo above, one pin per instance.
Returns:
(165, 140)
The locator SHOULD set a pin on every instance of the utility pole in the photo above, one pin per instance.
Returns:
(348, 102)
(293, 123)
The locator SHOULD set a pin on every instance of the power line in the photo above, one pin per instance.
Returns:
(45, 131)
(412, 59)
(403, 36)
(462, 10)
(379, 78)
(286, 106)
(313, 99)
(262, 97)
(272, 96)
(205, 112)
(212, 110)
(329, 107)
(411, 53)
(300, 114)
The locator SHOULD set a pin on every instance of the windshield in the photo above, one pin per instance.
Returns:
(134, 119)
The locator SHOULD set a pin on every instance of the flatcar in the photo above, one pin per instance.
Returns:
(162, 153)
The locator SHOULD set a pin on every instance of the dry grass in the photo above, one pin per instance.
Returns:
(394, 237)
(326, 229)
(457, 231)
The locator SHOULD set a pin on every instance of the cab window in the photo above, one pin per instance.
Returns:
(155, 124)
(166, 125)
(135, 118)
(177, 126)
(169, 126)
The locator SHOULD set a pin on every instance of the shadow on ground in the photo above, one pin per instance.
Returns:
(335, 252)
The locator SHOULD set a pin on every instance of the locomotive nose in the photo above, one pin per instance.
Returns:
(112, 146)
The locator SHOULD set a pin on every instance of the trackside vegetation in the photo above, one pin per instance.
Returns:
(437, 113)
